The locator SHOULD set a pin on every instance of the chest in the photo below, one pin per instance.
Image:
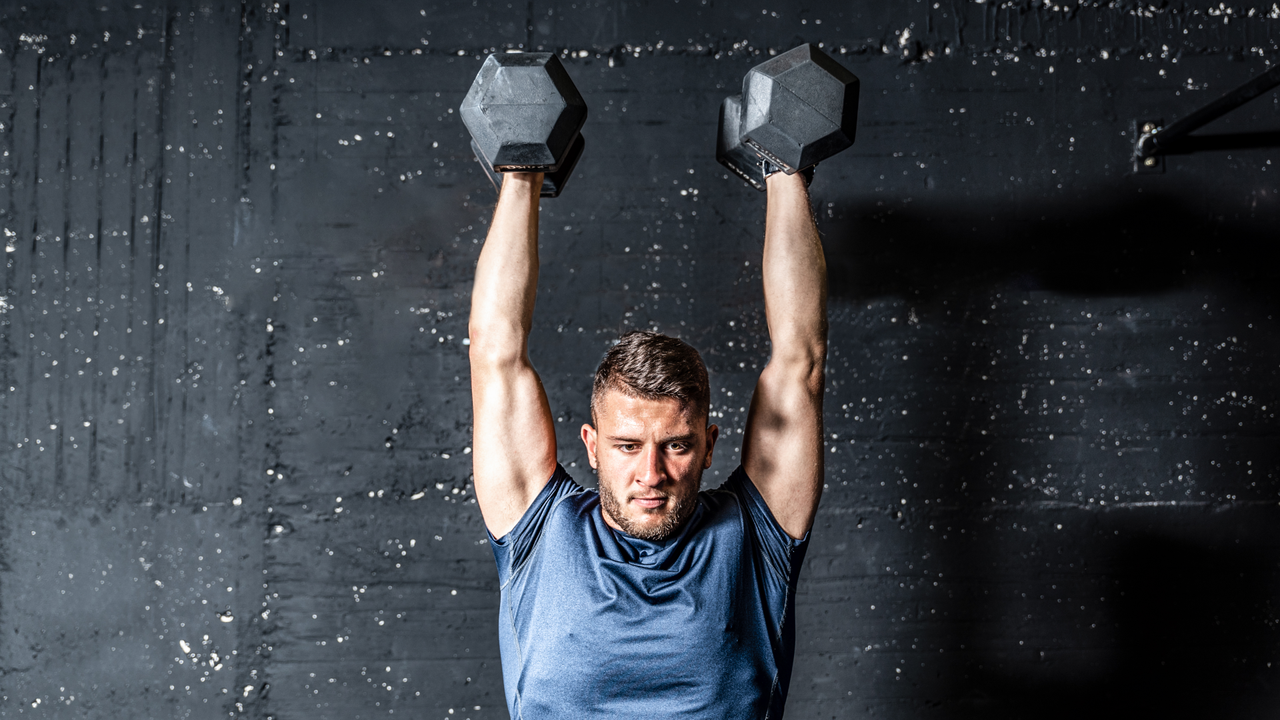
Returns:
(620, 627)
(585, 587)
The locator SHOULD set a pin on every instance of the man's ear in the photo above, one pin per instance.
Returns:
(713, 434)
(589, 439)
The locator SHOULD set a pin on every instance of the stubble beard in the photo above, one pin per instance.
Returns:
(676, 510)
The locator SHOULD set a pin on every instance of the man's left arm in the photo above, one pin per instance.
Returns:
(782, 447)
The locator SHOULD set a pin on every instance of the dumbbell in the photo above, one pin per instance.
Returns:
(796, 109)
(525, 115)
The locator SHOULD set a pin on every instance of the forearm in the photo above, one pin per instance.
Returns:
(506, 280)
(795, 276)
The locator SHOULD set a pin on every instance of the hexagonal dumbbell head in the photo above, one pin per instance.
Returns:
(523, 112)
(799, 108)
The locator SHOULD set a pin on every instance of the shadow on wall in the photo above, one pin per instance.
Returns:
(1191, 635)
(1119, 244)
(1155, 610)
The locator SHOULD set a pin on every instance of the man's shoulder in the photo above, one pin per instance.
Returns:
(726, 502)
(560, 494)
(564, 496)
(730, 491)
(562, 488)
(738, 497)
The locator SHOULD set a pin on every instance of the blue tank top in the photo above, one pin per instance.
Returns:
(595, 623)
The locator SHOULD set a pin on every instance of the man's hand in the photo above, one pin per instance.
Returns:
(514, 442)
(782, 448)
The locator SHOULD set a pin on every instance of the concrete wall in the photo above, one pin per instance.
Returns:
(234, 392)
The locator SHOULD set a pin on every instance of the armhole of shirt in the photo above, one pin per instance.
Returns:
(512, 549)
(780, 548)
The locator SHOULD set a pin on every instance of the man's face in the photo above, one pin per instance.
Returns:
(649, 455)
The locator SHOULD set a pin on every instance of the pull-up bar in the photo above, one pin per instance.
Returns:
(1155, 140)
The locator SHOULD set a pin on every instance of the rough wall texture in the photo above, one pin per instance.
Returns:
(233, 384)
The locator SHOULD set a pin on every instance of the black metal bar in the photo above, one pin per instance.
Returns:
(1234, 141)
(1156, 141)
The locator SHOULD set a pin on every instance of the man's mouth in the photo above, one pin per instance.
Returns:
(651, 503)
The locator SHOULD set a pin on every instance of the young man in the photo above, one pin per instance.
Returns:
(648, 598)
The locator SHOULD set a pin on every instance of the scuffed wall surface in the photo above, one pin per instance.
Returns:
(234, 453)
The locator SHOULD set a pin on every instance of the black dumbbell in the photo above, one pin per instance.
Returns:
(525, 115)
(800, 108)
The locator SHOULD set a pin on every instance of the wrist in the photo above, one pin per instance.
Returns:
(521, 184)
(533, 179)
(783, 181)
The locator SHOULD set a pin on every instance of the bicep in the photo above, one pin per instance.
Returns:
(782, 446)
(513, 444)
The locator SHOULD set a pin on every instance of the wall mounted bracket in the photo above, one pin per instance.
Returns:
(1153, 139)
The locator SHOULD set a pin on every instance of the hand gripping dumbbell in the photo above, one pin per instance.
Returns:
(525, 115)
(796, 109)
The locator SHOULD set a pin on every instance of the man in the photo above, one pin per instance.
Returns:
(648, 598)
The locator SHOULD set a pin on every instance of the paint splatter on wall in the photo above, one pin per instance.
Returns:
(235, 448)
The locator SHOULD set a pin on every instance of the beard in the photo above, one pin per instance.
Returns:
(675, 511)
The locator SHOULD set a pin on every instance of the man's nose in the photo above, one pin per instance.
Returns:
(652, 472)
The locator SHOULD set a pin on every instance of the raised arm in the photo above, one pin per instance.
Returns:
(514, 444)
(782, 448)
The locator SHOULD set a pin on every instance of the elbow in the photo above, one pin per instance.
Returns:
(496, 348)
(806, 363)
(814, 372)
(808, 355)
(801, 349)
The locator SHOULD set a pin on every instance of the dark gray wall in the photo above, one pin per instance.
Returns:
(239, 240)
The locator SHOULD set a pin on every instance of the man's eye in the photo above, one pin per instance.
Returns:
(678, 447)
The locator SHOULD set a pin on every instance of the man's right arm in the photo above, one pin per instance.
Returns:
(514, 443)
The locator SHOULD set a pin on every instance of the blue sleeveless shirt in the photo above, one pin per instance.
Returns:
(595, 623)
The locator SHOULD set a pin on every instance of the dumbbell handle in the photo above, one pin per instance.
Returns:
(553, 181)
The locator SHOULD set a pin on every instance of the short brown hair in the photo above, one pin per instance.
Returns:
(651, 365)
